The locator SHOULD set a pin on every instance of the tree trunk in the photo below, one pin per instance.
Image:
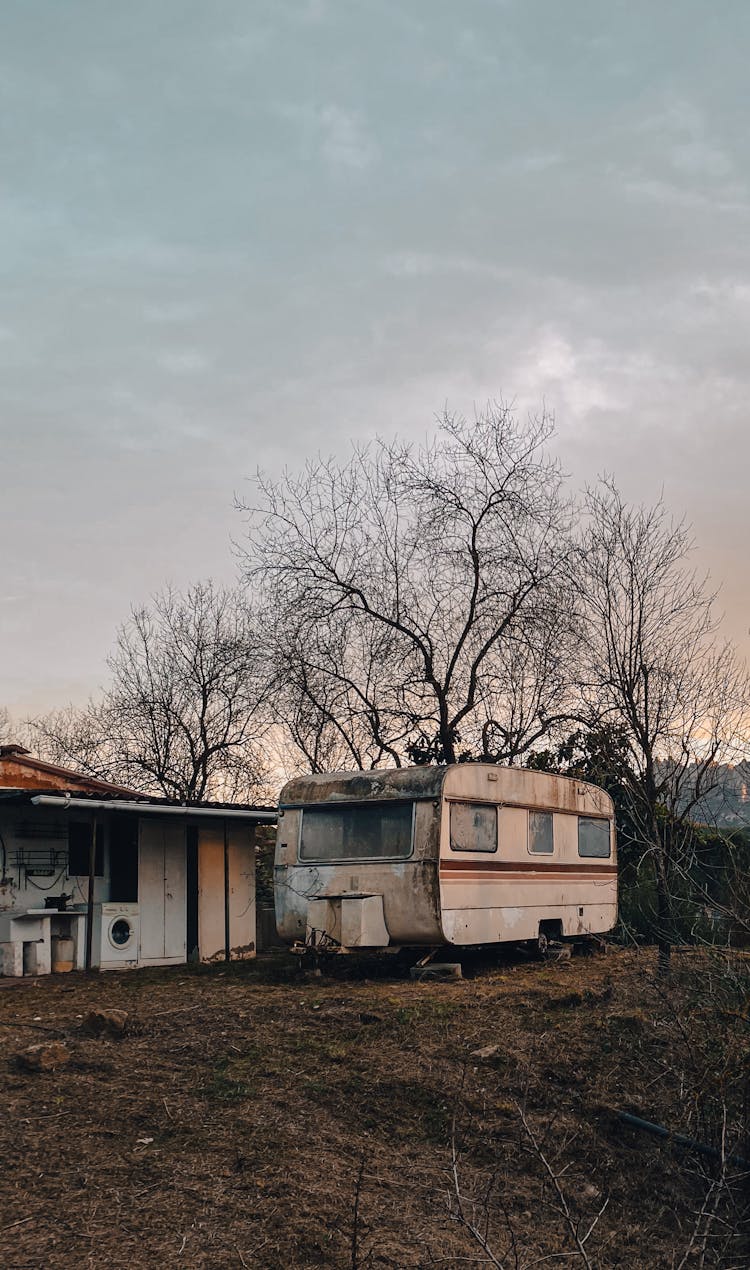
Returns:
(664, 921)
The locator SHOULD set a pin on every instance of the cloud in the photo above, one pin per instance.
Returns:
(339, 135)
(580, 380)
(174, 313)
(680, 132)
(540, 162)
(148, 422)
(422, 264)
(183, 361)
(700, 158)
(345, 141)
(237, 237)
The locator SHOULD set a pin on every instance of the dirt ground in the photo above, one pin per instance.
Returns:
(251, 1116)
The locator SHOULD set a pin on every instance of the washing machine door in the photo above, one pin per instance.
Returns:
(121, 933)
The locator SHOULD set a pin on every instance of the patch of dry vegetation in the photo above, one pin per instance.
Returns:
(251, 1117)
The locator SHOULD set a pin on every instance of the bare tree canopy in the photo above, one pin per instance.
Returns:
(414, 595)
(335, 696)
(656, 667)
(185, 710)
(656, 673)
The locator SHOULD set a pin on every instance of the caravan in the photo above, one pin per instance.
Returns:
(469, 854)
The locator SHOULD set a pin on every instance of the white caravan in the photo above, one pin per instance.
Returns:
(459, 855)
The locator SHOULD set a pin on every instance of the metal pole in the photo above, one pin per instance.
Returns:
(227, 940)
(90, 896)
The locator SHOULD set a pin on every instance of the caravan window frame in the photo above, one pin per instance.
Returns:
(473, 802)
(595, 855)
(540, 811)
(352, 804)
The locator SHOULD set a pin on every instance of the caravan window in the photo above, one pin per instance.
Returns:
(360, 831)
(473, 827)
(593, 837)
(541, 839)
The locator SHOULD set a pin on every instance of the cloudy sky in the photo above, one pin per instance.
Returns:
(238, 232)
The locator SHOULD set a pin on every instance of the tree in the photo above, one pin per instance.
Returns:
(655, 671)
(331, 688)
(415, 594)
(601, 755)
(186, 708)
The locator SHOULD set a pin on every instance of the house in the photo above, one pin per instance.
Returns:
(98, 875)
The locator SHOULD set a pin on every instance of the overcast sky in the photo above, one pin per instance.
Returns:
(235, 233)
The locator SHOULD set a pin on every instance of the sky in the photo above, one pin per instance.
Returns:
(239, 233)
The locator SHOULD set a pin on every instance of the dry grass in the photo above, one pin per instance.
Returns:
(230, 1127)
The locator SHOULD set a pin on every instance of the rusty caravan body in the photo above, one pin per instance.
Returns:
(459, 855)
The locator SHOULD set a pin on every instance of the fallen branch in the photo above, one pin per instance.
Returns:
(573, 1226)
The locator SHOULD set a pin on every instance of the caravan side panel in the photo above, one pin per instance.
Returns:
(532, 876)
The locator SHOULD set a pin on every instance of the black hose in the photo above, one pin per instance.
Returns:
(659, 1131)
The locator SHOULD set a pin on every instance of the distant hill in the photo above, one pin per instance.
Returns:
(727, 804)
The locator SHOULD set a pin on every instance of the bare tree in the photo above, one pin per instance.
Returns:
(186, 708)
(405, 582)
(82, 738)
(334, 693)
(655, 670)
(529, 694)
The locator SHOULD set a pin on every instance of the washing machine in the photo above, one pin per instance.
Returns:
(116, 936)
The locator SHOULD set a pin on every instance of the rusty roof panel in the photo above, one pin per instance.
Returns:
(335, 787)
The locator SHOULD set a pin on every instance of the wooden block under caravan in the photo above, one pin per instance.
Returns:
(437, 970)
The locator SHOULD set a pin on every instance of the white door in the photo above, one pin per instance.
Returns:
(162, 894)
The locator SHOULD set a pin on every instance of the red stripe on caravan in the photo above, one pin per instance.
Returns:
(520, 867)
(568, 879)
